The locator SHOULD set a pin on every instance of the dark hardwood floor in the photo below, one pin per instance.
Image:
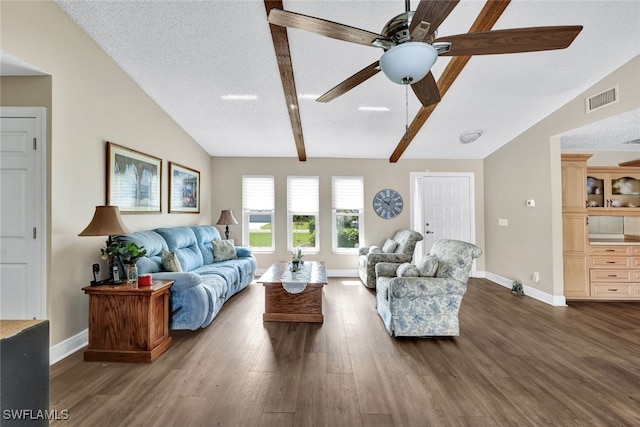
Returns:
(517, 362)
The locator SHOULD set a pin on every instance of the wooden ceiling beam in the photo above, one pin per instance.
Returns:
(283, 55)
(484, 22)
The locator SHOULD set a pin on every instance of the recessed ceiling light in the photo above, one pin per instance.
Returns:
(470, 136)
(373, 109)
(236, 97)
(308, 96)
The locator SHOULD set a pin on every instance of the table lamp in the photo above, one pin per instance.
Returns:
(227, 218)
(106, 221)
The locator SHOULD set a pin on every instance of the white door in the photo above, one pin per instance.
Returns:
(22, 285)
(444, 204)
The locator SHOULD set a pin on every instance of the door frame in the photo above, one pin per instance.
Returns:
(416, 219)
(40, 181)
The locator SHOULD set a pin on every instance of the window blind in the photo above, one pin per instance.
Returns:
(258, 193)
(303, 193)
(347, 192)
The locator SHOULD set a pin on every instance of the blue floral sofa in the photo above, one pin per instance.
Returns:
(206, 270)
(424, 299)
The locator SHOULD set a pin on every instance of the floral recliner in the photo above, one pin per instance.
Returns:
(405, 244)
(413, 304)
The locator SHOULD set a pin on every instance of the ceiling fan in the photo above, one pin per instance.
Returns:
(411, 44)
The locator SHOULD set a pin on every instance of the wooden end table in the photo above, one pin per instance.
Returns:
(128, 323)
(282, 306)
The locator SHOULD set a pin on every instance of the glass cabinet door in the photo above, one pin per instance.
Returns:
(595, 192)
(625, 192)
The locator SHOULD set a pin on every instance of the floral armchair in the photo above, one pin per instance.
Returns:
(424, 299)
(399, 249)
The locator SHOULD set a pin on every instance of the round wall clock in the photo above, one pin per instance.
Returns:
(387, 203)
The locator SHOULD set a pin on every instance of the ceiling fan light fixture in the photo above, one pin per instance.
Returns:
(409, 62)
(470, 136)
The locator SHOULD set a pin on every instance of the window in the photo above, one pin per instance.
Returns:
(258, 205)
(347, 204)
(302, 213)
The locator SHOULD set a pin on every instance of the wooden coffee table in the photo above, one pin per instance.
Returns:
(282, 306)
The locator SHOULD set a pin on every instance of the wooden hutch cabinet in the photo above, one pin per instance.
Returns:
(575, 231)
(606, 268)
(613, 191)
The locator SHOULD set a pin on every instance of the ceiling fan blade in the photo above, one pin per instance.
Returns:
(433, 12)
(350, 83)
(511, 41)
(426, 90)
(323, 27)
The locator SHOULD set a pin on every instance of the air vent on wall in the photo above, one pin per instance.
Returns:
(602, 99)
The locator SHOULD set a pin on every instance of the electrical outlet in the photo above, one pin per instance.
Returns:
(503, 222)
(531, 203)
(535, 277)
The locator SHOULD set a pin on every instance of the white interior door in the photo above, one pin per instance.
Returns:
(444, 208)
(22, 286)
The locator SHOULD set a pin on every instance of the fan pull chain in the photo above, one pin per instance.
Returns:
(406, 100)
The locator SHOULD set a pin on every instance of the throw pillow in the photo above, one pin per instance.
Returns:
(170, 261)
(407, 270)
(389, 246)
(374, 250)
(223, 250)
(427, 266)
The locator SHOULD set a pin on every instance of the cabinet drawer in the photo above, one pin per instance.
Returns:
(635, 250)
(611, 250)
(612, 290)
(611, 275)
(605, 262)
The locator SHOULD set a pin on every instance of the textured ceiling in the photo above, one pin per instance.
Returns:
(188, 54)
(617, 133)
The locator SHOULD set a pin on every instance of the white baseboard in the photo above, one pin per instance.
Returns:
(70, 345)
(554, 300)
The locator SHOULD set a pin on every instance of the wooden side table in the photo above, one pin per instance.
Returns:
(128, 323)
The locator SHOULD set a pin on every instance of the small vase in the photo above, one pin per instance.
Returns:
(132, 273)
(295, 265)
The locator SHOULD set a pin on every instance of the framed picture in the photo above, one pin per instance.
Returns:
(184, 189)
(133, 180)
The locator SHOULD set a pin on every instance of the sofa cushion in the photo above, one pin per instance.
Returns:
(427, 266)
(182, 241)
(223, 250)
(153, 244)
(389, 246)
(170, 261)
(205, 234)
(243, 251)
(407, 270)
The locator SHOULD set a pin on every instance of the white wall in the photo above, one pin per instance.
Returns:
(91, 101)
(529, 168)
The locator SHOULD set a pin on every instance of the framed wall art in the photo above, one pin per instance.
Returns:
(184, 189)
(134, 180)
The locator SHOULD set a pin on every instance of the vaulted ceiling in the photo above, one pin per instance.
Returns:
(193, 57)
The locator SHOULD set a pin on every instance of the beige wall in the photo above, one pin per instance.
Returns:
(529, 168)
(90, 100)
(378, 174)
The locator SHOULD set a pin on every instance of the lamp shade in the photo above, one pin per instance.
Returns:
(106, 222)
(227, 218)
(408, 62)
